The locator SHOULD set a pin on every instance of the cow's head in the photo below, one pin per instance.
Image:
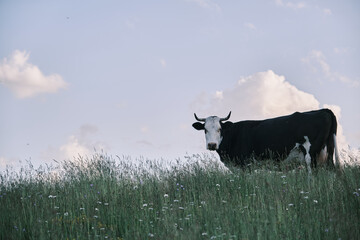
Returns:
(213, 127)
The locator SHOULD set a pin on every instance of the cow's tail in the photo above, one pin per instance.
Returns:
(337, 157)
(332, 141)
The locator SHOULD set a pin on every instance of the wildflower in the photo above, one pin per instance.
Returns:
(99, 202)
(356, 194)
(181, 208)
(217, 185)
(51, 196)
(306, 197)
(102, 229)
(82, 209)
(175, 200)
(291, 204)
(106, 204)
(96, 209)
(145, 205)
(283, 176)
(315, 201)
(66, 214)
(151, 235)
(91, 185)
(95, 216)
(204, 234)
(166, 195)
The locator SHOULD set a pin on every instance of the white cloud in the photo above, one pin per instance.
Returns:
(327, 11)
(5, 162)
(219, 95)
(250, 26)
(25, 79)
(144, 129)
(207, 4)
(292, 5)
(74, 148)
(163, 63)
(80, 143)
(260, 96)
(343, 50)
(317, 62)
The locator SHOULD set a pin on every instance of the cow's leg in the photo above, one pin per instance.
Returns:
(306, 150)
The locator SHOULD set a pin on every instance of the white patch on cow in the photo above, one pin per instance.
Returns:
(322, 157)
(307, 146)
(213, 132)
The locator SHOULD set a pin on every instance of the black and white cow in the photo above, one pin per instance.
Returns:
(311, 133)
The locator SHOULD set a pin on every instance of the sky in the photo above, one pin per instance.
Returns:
(125, 77)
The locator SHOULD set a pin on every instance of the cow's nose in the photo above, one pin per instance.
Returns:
(212, 146)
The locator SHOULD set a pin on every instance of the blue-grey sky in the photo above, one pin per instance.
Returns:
(126, 76)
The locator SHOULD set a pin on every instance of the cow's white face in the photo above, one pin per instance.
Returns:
(213, 136)
(212, 129)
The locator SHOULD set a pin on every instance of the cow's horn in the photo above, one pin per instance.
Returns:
(227, 118)
(199, 119)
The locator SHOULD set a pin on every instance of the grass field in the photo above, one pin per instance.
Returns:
(106, 198)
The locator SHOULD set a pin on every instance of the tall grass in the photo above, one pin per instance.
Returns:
(111, 198)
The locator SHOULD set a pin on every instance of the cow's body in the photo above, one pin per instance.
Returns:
(312, 133)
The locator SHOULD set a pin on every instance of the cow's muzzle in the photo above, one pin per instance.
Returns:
(212, 146)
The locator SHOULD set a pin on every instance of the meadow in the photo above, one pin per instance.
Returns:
(104, 197)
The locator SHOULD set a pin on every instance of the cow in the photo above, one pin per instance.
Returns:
(312, 134)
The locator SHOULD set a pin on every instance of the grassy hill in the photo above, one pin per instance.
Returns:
(107, 198)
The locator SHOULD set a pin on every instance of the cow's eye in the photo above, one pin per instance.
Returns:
(218, 130)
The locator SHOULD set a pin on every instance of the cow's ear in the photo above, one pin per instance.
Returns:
(198, 126)
(226, 125)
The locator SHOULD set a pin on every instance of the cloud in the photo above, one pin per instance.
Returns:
(343, 50)
(292, 5)
(81, 143)
(25, 79)
(317, 62)
(264, 94)
(260, 96)
(163, 63)
(144, 129)
(327, 11)
(207, 4)
(74, 148)
(7, 162)
(250, 26)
